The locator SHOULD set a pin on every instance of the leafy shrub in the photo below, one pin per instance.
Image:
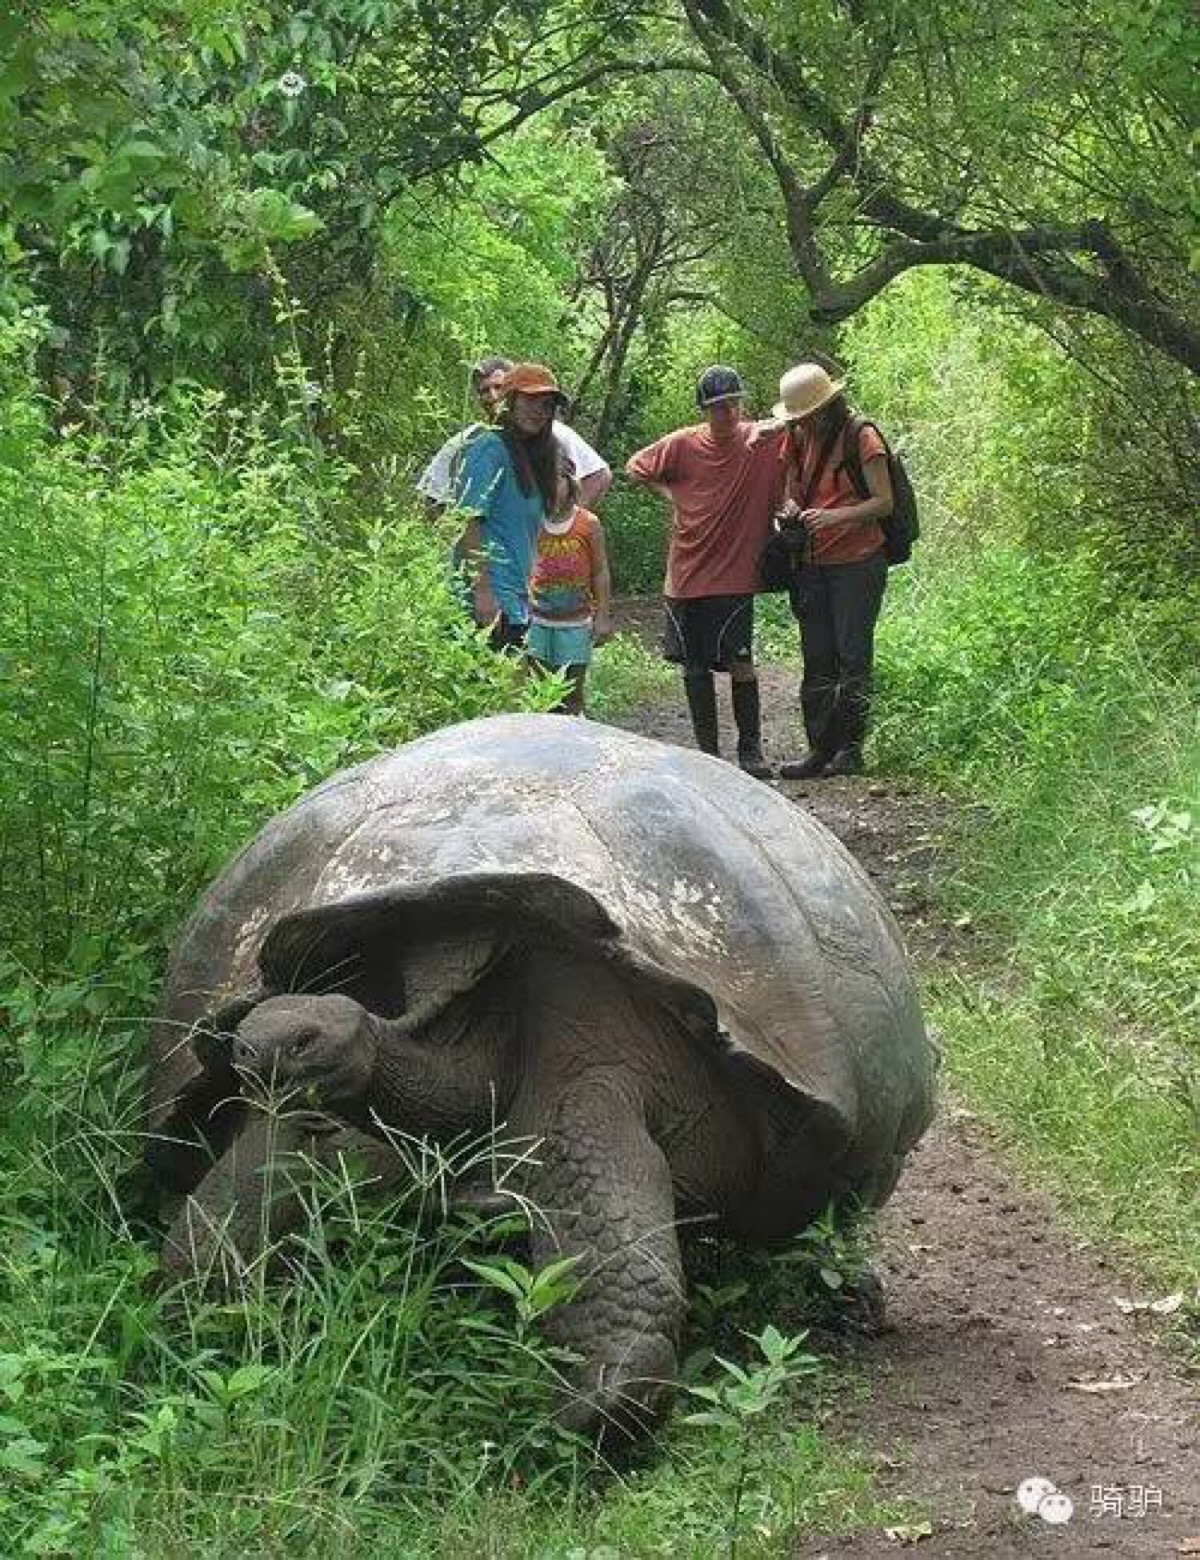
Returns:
(188, 643)
(1031, 685)
(635, 528)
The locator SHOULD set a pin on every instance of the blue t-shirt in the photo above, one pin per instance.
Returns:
(487, 486)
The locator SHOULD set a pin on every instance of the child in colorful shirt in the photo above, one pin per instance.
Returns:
(570, 590)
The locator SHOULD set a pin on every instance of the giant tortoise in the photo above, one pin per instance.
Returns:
(674, 981)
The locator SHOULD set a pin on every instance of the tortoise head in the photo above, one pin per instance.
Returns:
(322, 1048)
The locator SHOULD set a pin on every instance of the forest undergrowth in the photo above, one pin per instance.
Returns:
(201, 619)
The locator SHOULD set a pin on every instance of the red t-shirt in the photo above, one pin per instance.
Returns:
(849, 541)
(724, 493)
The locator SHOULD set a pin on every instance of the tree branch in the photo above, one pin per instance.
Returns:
(1037, 259)
(796, 205)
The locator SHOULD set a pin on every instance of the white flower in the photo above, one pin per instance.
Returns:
(292, 84)
(312, 390)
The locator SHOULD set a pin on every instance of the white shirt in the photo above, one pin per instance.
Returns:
(437, 481)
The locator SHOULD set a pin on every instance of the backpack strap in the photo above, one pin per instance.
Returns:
(852, 451)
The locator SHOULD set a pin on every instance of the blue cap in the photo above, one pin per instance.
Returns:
(718, 383)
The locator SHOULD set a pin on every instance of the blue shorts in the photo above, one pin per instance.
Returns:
(560, 646)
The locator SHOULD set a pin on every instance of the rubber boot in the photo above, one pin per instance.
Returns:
(846, 761)
(810, 767)
(701, 693)
(747, 713)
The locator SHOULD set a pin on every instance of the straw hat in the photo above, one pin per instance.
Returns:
(804, 390)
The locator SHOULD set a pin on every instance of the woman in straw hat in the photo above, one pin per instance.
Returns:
(839, 586)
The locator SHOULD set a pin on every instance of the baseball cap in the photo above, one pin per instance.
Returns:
(718, 383)
(532, 379)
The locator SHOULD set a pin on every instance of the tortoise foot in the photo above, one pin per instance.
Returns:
(616, 1403)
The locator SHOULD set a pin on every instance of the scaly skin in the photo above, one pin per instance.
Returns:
(631, 1117)
(249, 1199)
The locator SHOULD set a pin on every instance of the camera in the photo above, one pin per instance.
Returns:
(789, 526)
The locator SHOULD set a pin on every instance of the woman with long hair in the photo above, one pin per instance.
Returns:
(840, 583)
(507, 485)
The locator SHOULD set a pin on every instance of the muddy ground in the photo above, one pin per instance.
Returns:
(1001, 1315)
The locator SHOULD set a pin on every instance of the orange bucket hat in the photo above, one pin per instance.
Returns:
(532, 379)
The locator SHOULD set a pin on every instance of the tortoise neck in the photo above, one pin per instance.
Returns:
(455, 1073)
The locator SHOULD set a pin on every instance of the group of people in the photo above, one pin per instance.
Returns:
(533, 550)
(534, 555)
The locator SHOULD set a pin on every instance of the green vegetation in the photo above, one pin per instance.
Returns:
(249, 252)
(626, 674)
(389, 1397)
(188, 643)
(1040, 660)
(205, 616)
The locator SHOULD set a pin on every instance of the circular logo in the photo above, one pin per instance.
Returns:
(1056, 1508)
(1038, 1497)
(1032, 1492)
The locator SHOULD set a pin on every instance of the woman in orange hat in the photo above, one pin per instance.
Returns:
(507, 485)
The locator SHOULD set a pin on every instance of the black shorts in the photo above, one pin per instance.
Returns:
(507, 635)
(709, 633)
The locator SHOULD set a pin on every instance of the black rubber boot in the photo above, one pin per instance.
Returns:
(747, 713)
(810, 767)
(701, 693)
(846, 761)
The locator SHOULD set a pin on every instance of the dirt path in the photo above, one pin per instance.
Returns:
(996, 1305)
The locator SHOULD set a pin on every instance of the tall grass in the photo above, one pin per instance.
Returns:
(375, 1397)
(1070, 727)
(1072, 716)
(1046, 672)
(197, 621)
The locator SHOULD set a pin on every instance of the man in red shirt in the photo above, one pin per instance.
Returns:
(723, 490)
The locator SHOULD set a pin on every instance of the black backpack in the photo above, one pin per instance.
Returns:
(902, 527)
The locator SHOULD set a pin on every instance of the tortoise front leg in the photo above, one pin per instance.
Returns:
(604, 1194)
(251, 1198)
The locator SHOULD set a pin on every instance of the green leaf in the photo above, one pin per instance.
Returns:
(248, 1379)
(24, 1457)
(500, 1276)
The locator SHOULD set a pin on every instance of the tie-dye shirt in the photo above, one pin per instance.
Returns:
(560, 590)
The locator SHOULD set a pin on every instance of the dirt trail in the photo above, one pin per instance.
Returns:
(995, 1304)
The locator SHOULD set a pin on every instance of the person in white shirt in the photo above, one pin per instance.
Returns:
(437, 482)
